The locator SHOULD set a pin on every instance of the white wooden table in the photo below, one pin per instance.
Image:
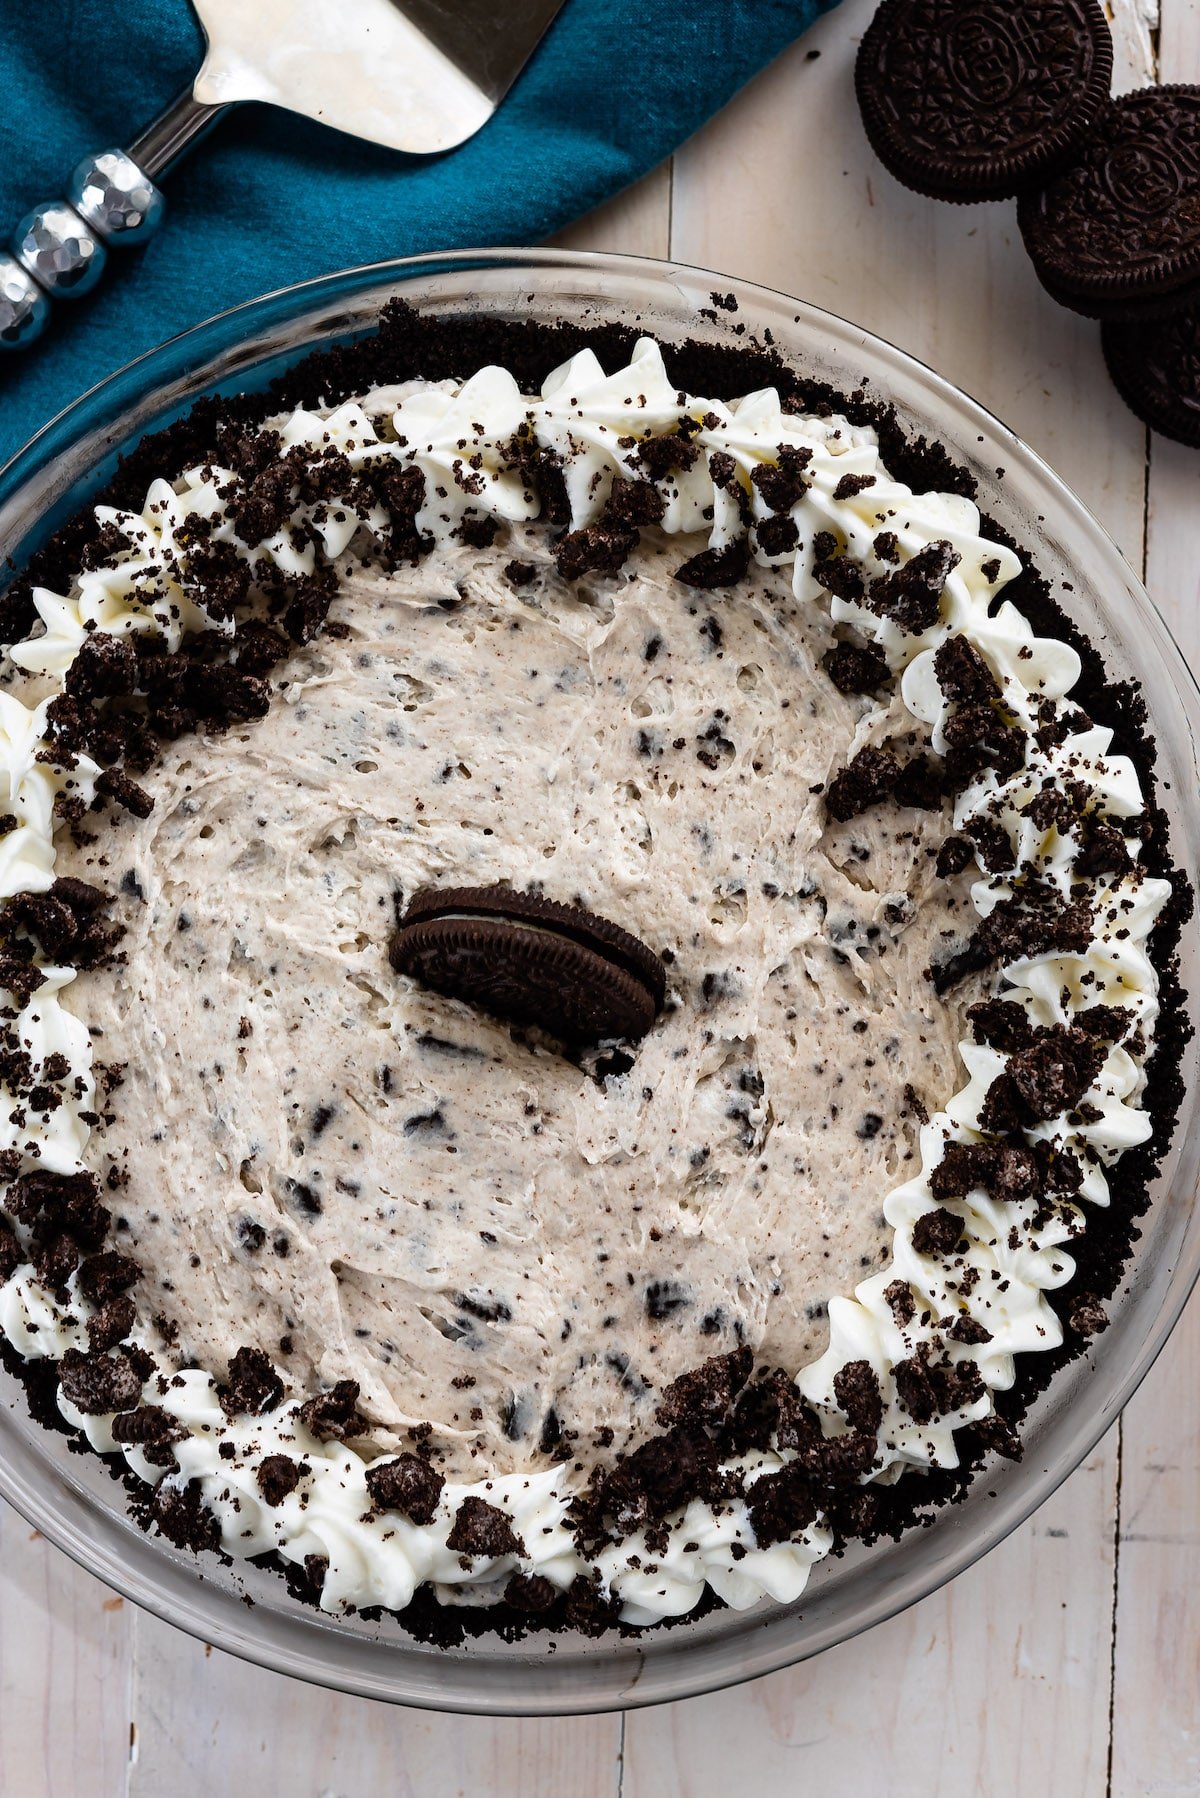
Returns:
(1067, 1662)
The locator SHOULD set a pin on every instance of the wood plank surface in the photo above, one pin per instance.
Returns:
(1068, 1660)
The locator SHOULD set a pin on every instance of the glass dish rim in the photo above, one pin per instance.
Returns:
(56, 436)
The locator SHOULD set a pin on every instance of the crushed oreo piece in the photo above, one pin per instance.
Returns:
(111, 1324)
(857, 1390)
(920, 784)
(104, 1277)
(954, 857)
(910, 596)
(856, 668)
(963, 674)
(333, 1416)
(722, 567)
(937, 1233)
(123, 791)
(407, 1484)
(483, 1529)
(594, 549)
(777, 535)
(706, 1394)
(863, 782)
(183, 1517)
(253, 1385)
(277, 1476)
(1086, 1315)
(930, 1385)
(1052, 1074)
(148, 1426)
(97, 1383)
(781, 1505)
(1002, 1024)
(530, 1592)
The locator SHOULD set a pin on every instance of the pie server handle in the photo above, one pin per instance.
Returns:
(113, 201)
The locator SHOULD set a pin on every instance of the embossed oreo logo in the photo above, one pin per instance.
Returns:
(1143, 178)
(984, 58)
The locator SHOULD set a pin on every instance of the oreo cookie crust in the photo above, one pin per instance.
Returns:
(1116, 234)
(733, 1438)
(979, 99)
(1155, 368)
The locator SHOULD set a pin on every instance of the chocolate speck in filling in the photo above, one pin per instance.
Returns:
(408, 1484)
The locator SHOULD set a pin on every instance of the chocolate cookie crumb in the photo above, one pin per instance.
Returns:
(333, 1416)
(277, 1476)
(406, 1484)
(253, 1385)
(531, 1592)
(716, 567)
(864, 782)
(937, 1233)
(857, 1390)
(856, 668)
(97, 1383)
(483, 1529)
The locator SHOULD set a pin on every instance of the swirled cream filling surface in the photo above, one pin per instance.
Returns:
(370, 1181)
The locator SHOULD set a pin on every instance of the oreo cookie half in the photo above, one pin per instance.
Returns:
(1156, 370)
(980, 99)
(1116, 233)
(530, 960)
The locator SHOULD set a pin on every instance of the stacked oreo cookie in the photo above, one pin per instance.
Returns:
(995, 99)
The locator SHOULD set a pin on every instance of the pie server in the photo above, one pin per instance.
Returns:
(416, 75)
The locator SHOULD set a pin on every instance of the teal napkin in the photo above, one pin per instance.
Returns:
(270, 199)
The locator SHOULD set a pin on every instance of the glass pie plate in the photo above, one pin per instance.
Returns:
(71, 1499)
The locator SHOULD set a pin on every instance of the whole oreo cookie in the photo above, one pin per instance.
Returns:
(980, 99)
(577, 976)
(1116, 233)
(1156, 370)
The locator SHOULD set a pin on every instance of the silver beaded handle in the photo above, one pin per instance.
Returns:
(113, 201)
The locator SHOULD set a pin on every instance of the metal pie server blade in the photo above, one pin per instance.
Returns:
(415, 75)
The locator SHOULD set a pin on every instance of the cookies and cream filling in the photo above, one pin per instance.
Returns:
(668, 751)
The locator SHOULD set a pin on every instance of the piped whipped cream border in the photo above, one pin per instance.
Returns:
(594, 424)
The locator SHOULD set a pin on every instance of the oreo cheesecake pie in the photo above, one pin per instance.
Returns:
(588, 974)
